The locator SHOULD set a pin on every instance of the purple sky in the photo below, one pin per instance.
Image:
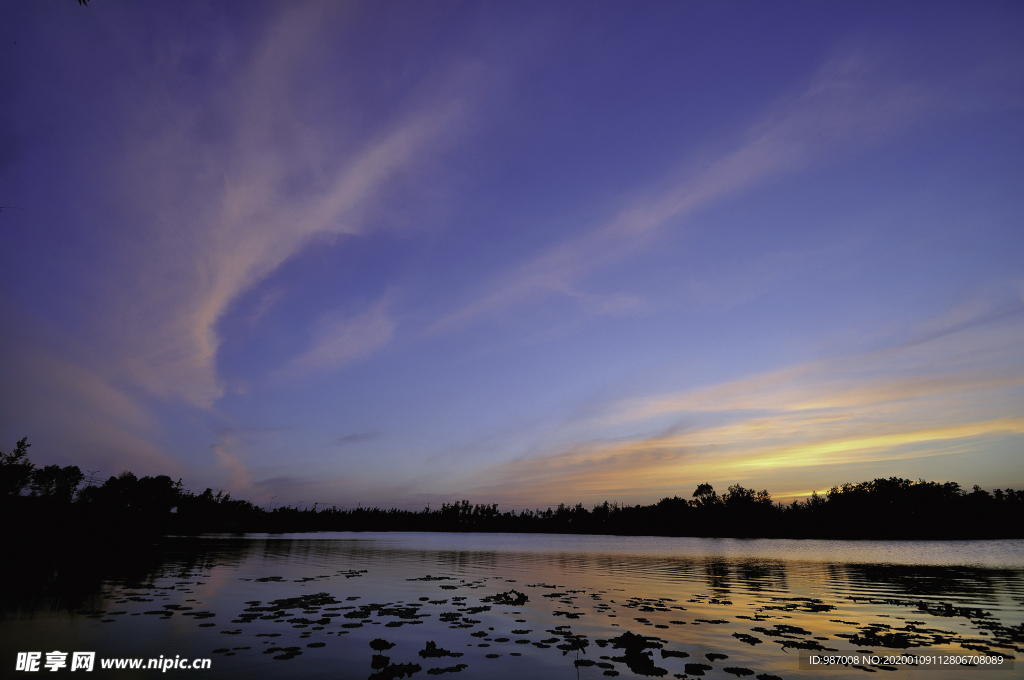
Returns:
(524, 253)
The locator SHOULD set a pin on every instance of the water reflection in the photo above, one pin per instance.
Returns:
(398, 605)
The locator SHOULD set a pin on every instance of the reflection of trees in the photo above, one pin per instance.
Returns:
(72, 575)
(930, 580)
(717, 574)
(758, 575)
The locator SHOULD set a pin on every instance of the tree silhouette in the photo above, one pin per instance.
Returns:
(705, 494)
(15, 469)
(56, 482)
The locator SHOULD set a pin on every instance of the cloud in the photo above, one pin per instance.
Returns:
(240, 480)
(72, 414)
(277, 178)
(356, 438)
(267, 302)
(849, 101)
(339, 341)
(955, 393)
(754, 449)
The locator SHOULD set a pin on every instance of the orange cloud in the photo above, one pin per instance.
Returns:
(955, 394)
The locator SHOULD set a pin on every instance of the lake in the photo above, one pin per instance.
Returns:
(531, 606)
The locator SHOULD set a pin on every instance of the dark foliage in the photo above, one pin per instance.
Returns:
(15, 469)
(891, 508)
(56, 482)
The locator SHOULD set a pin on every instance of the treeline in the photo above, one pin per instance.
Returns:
(880, 509)
(52, 501)
(51, 498)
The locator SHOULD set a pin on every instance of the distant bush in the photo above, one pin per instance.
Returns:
(892, 508)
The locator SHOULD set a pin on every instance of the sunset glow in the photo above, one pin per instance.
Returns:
(519, 253)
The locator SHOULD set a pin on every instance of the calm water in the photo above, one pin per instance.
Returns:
(308, 605)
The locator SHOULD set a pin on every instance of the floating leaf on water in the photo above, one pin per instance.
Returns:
(697, 668)
(668, 653)
(450, 669)
(395, 671)
(381, 645)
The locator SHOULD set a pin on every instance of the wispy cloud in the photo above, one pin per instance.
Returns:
(356, 438)
(74, 415)
(339, 341)
(948, 394)
(849, 100)
(255, 199)
(240, 479)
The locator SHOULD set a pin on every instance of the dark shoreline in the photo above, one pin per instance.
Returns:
(51, 501)
(126, 509)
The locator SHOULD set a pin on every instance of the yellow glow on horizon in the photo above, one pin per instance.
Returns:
(817, 453)
(798, 495)
(917, 409)
(665, 466)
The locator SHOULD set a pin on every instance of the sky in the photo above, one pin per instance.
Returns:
(406, 253)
